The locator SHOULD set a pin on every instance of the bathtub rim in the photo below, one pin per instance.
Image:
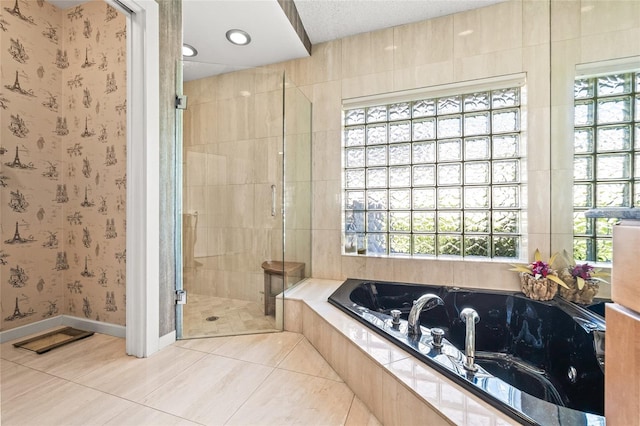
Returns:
(344, 291)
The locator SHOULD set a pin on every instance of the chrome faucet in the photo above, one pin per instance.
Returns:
(424, 302)
(471, 318)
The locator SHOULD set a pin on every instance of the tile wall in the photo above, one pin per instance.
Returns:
(232, 156)
(63, 169)
(506, 38)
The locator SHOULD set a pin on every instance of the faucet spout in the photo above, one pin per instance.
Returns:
(471, 318)
(424, 303)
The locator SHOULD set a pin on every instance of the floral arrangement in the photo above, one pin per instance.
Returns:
(583, 272)
(582, 280)
(540, 269)
(539, 280)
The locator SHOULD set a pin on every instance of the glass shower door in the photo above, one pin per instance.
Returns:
(232, 219)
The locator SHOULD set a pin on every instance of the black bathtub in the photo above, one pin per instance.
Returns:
(542, 363)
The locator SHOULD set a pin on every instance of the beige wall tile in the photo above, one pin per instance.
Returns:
(327, 106)
(425, 271)
(431, 74)
(367, 53)
(365, 379)
(235, 118)
(303, 358)
(565, 19)
(200, 91)
(269, 115)
(606, 17)
(486, 275)
(293, 315)
(328, 195)
(488, 65)
(535, 22)
(359, 415)
(326, 155)
(423, 43)
(536, 61)
(236, 84)
(613, 45)
(326, 254)
(406, 408)
(369, 84)
(494, 28)
(537, 139)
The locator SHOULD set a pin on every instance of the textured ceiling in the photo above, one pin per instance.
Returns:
(274, 39)
(327, 20)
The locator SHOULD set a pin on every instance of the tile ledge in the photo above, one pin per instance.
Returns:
(319, 307)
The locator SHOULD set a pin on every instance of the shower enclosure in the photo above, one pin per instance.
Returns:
(246, 199)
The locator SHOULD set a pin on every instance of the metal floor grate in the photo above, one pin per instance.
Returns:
(53, 339)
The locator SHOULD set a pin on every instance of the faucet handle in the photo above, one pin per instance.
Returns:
(395, 315)
(437, 334)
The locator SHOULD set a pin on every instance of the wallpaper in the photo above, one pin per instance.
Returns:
(63, 164)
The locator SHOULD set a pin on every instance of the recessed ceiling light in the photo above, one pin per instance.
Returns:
(189, 51)
(239, 37)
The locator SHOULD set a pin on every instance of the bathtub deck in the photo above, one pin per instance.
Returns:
(398, 388)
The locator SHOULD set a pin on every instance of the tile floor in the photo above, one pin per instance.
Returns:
(233, 317)
(261, 379)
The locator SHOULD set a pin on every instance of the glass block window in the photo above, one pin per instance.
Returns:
(435, 177)
(606, 171)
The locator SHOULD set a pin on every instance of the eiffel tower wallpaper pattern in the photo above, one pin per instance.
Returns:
(63, 162)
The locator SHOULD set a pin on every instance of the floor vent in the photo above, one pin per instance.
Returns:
(53, 339)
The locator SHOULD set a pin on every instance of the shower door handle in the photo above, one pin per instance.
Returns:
(273, 200)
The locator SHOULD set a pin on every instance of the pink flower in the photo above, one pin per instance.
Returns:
(583, 271)
(539, 268)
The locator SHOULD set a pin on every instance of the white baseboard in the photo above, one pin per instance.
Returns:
(63, 320)
(166, 340)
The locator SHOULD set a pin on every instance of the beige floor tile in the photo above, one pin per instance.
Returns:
(103, 349)
(18, 380)
(289, 398)
(359, 415)
(60, 402)
(140, 415)
(19, 355)
(207, 344)
(139, 377)
(305, 359)
(266, 349)
(209, 391)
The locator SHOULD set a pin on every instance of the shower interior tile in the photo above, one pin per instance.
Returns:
(233, 316)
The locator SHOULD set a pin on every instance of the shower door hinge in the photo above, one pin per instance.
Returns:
(181, 297)
(181, 102)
